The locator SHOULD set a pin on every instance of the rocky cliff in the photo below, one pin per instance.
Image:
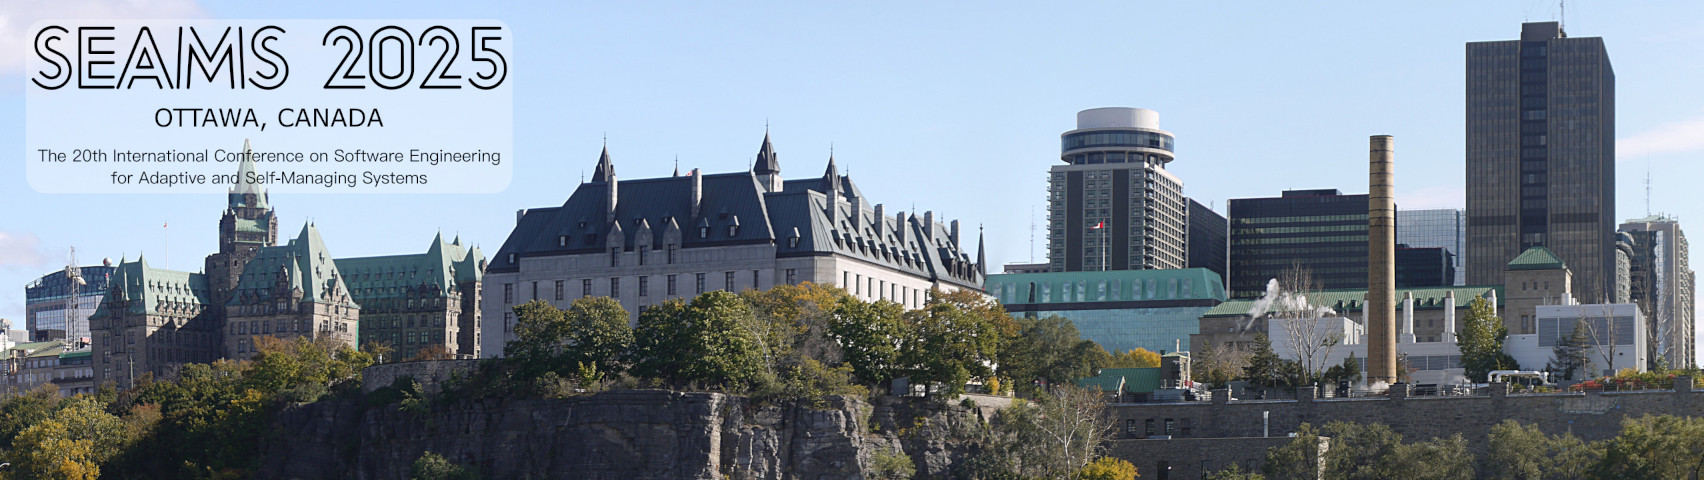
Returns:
(623, 435)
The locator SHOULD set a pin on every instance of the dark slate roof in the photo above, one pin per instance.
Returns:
(238, 196)
(434, 273)
(649, 211)
(305, 262)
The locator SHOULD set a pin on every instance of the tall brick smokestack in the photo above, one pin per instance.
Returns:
(1381, 262)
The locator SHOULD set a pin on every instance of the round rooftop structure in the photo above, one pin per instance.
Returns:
(1117, 135)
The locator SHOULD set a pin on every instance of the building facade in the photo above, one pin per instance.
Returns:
(1662, 284)
(46, 316)
(1541, 155)
(1113, 205)
(419, 301)
(288, 291)
(1322, 231)
(646, 241)
(1209, 240)
(1121, 309)
(1424, 267)
(1437, 228)
(153, 321)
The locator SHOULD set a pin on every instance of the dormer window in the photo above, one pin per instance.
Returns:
(733, 229)
(793, 242)
(703, 232)
(511, 258)
(561, 240)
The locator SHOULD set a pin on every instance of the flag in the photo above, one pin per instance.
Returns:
(1099, 225)
(166, 225)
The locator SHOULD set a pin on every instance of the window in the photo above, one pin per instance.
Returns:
(644, 285)
(1169, 425)
(857, 284)
(559, 289)
(535, 290)
(703, 232)
(615, 287)
(511, 258)
(700, 283)
(642, 249)
(671, 286)
(728, 278)
(508, 318)
(754, 284)
(614, 256)
(1149, 428)
(561, 240)
(508, 293)
(792, 277)
(845, 279)
(671, 253)
(586, 287)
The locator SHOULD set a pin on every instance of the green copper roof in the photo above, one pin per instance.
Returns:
(1349, 300)
(159, 290)
(77, 354)
(1107, 286)
(304, 264)
(434, 273)
(251, 226)
(1536, 258)
(1136, 380)
(241, 192)
(31, 348)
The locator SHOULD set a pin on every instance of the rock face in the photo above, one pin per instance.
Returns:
(623, 435)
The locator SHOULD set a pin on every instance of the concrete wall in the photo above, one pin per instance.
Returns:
(1590, 416)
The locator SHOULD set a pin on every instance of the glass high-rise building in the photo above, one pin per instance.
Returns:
(1661, 283)
(1444, 228)
(1322, 231)
(1209, 239)
(1541, 155)
(1112, 205)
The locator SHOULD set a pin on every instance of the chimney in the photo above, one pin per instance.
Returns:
(929, 225)
(881, 221)
(1449, 317)
(900, 226)
(953, 233)
(1381, 271)
(697, 191)
(518, 214)
(1407, 317)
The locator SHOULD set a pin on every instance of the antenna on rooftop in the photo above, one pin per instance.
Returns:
(1647, 187)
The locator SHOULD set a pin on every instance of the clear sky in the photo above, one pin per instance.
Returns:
(950, 107)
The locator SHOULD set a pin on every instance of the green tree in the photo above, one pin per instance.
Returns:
(872, 337)
(72, 443)
(1481, 342)
(1235, 472)
(1050, 351)
(1570, 358)
(1265, 367)
(959, 336)
(712, 341)
(1655, 446)
(432, 466)
(541, 329)
(1368, 451)
(1054, 437)
(1519, 451)
(1297, 459)
(598, 334)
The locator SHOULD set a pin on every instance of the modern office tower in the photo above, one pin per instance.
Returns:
(1541, 155)
(1209, 239)
(1444, 228)
(1322, 231)
(1113, 205)
(45, 312)
(1662, 285)
(1424, 267)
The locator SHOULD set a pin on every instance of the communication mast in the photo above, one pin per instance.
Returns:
(74, 285)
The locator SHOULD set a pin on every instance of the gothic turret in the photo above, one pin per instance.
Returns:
(767, 168)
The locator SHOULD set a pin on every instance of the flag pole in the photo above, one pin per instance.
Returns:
(168, 227)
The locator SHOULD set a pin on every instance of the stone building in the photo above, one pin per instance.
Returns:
(649, 240)
(152, 321)
(288, 291)
(418, 300)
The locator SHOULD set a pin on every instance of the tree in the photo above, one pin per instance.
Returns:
(1519, 451)
(1107, 468)
(1293, 308)
(598, 334)
(1604, 335)
(1265, 368)
(959, 336)
(1481, 342)
(1218, 363)
(540, 330)
(1569, 358)
(72, 443)
(1297, 459)
(432, 466)
(872, 337)
(712, 341)
(1655, 446)
(1053, 437)
(1136, 358)
(1047, 350)
(1235, 472)
(1367, 451)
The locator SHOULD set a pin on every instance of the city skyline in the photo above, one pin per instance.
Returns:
(1273, 98)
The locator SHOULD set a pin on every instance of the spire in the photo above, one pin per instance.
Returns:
(981, 253)
(767, 162)
(245, 192)
(605, 170)
(677, 166)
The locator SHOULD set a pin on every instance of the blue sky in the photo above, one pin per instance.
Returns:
(950, 107)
